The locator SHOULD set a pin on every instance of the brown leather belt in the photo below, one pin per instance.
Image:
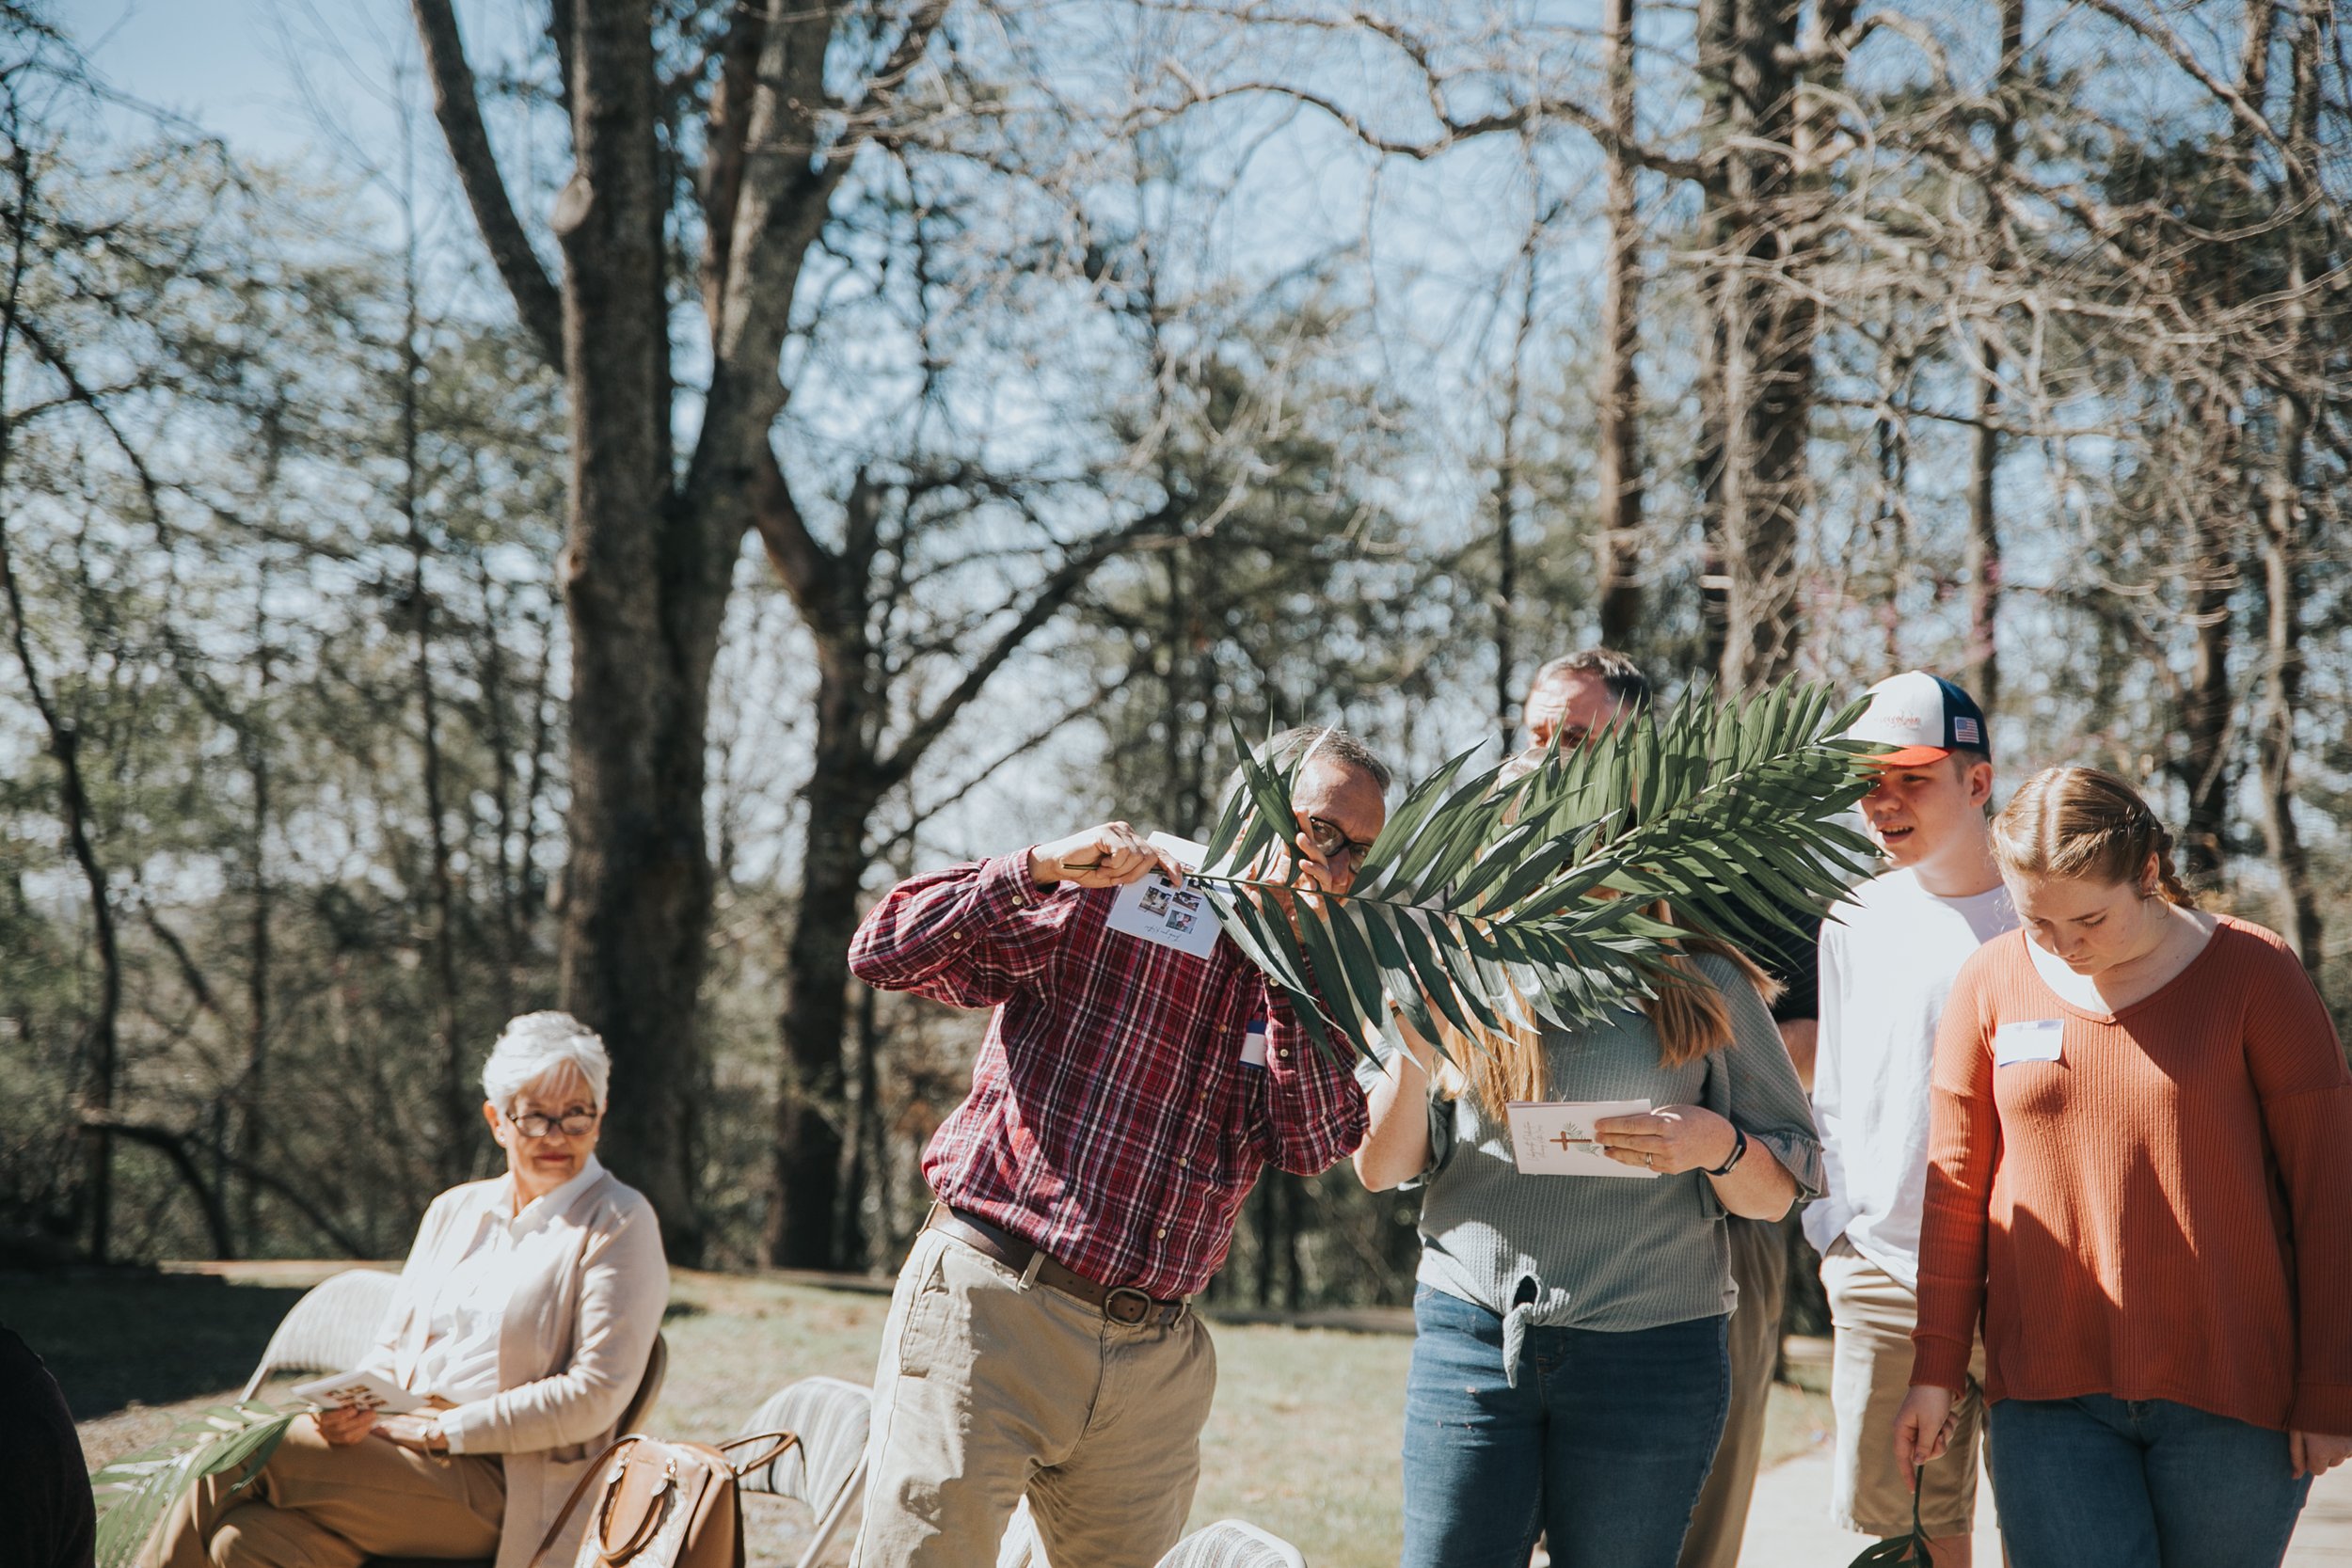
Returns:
(1121, 1304)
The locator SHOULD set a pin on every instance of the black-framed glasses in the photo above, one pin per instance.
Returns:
(1331, 842)
(572, 1124)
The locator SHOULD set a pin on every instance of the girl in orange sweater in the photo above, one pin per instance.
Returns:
(2140, 1176)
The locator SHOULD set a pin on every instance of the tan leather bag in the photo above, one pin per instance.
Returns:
(663, 1505)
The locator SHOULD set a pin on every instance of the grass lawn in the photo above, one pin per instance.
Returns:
(1303, 1439)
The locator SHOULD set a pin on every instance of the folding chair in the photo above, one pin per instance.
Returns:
(1226, 1544)
(1021, 1548)
(1230, 1543)
(826, 1469)
(329, 1330)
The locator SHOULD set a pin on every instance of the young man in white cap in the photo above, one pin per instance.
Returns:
(1888, 956)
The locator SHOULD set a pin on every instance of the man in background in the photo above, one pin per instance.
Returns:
(1578, 698)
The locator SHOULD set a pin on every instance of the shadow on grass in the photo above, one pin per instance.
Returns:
(114, 1338)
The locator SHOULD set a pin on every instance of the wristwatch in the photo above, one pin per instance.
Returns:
(1738, 1148)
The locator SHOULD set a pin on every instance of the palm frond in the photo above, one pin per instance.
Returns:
(138, 1492)
(1482, 899)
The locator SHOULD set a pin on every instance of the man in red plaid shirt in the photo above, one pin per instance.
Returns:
(1123, 1103)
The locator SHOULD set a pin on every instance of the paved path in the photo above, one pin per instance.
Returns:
(1789, 1524)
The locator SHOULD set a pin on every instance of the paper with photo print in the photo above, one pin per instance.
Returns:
(1158, 910)
(358, 1392)
(1554, 1137)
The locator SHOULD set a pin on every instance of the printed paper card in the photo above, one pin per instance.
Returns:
(1158, 910)
(358, 1392)
(1555, 1137)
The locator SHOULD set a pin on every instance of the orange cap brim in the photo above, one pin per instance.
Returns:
(1909, 756)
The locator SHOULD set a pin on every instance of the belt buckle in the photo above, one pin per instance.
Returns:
(1142, 1307)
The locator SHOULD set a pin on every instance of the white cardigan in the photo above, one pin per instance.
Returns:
(589, 1290)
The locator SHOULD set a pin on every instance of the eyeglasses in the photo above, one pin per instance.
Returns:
(573, 1123)
(1331, 842)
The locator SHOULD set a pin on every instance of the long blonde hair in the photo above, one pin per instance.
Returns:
(1693, 1019)
(2084, 824)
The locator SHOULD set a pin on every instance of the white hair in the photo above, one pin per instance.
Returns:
(536, 1047)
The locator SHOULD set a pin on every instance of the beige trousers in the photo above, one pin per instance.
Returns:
(320, 1506)
(988, 1390)
(1874, 1313)
(1759, 1266)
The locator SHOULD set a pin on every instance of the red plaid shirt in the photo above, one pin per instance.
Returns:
(1112, 1121)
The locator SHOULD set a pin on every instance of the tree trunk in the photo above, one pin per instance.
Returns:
(1982, 561)
(1269, 1229)
(1507, 504)
(1759, 170)
(1620, 455)
(864, 1246)
(804, 1227)
(1718, 39)
(2283, 577)
(1771, 326)
(253, 1083)
(644, 590)
(2206, 700)
(2283, 548)
(457, 1101)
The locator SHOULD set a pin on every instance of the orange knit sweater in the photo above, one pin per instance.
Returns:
(2163, 1212)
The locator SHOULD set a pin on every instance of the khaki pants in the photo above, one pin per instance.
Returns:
(1874, 1313)
(1759, 1266)
(319, 1506)
(987, 1392)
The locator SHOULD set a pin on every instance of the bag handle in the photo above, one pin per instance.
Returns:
(579, 1488)
(785, 1443)
(646, 1525)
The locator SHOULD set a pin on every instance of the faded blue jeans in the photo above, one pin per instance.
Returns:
(2139, 1484)
(1603, 1445)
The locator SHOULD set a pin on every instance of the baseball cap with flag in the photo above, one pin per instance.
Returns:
(1925, 718)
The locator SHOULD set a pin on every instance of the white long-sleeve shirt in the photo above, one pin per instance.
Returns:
(468, 1308)
(1889, 953)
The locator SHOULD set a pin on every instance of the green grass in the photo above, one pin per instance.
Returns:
(1303, 1439)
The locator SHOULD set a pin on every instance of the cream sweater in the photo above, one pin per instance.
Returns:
(589, 1289)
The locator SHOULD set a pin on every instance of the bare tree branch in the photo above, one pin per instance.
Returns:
(459, 111)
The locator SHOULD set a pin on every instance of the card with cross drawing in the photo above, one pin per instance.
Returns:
(1555, 1137)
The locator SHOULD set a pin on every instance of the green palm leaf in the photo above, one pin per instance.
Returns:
(1481, 899)
(138, 1491)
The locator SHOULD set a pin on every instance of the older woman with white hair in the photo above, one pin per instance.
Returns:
(523, 1319)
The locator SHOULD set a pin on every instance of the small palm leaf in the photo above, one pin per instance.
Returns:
(138, 1492)
(1903, 1551)
(1488, 902)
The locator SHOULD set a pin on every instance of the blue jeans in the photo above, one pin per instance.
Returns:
(1603, 1445)
(2090, 1482)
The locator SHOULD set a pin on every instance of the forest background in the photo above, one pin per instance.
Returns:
(520, 504)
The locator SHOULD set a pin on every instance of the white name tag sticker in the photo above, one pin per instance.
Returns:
(1254, 1044)
(2028, 1040)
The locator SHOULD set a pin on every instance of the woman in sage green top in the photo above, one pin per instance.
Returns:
(1570, 1375)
